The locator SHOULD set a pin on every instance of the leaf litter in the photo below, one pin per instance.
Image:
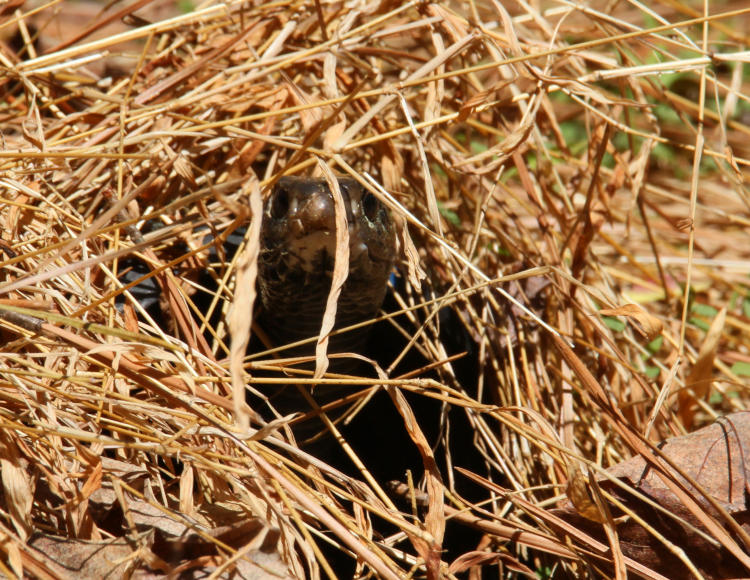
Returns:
(569, 187)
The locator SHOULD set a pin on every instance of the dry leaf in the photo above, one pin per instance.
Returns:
(699, 379)
(241, 313)
(435, 519)
(18, 486)
(716, 459)
(340, 270)
(579, 494)
(648, 325)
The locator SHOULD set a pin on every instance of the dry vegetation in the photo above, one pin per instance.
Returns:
(570, 181)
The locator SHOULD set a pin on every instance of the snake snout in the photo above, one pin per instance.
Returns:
(306, 207)
(317, 213)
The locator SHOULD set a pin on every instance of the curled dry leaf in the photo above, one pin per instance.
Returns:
(340, 271)
(472, 559)
(241, 313)
(435, 518)
(579, 495)
(648, 325)
(18, 486)
(699, 379)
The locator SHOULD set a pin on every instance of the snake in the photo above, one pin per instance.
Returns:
(297, 254)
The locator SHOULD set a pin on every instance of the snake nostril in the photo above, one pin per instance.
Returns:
(280, 204)
(370, 206)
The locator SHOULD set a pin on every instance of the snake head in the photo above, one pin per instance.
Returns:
(298, 248)
(299, 227)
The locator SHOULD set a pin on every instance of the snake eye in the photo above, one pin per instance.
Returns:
(280, 204)
(370, 205)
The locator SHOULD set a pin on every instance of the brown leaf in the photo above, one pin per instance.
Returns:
(93, 481)
(130, 317)
(415, 271)
(428, 548)
(310, 116)
(187, 479)
(340, 271)
(715, 461)
(648, 324)
(471, 559)
(183, 168)
(18, 486)
(332, 134)
(391, 168)
(494, 93)
(240, 317)
(578, 493)
(699, 379)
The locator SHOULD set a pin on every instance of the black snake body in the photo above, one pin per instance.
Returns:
(294, 278)
(295, 265)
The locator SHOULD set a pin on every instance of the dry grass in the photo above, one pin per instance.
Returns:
(545, 162)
